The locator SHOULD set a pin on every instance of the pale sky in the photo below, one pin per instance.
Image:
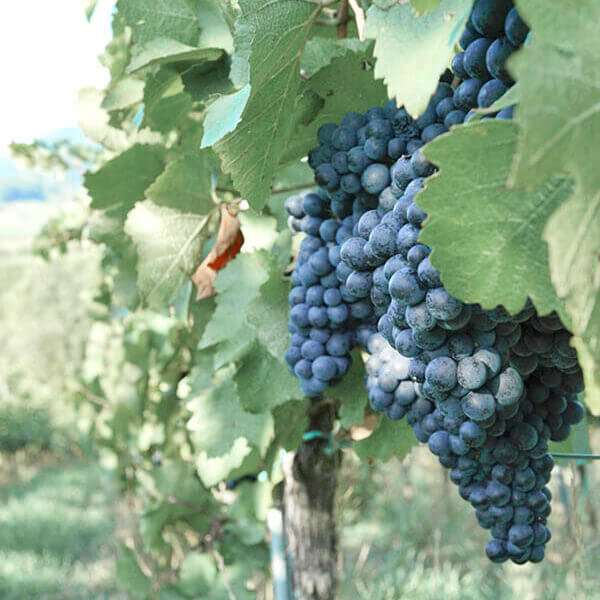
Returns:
(48, 51)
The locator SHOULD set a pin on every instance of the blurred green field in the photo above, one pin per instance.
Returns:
(407, 534)
(57, 535)
(404, 534)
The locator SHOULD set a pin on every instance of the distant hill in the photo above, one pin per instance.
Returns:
(18, 184)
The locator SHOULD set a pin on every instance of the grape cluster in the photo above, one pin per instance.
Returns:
(321, 338)
(485, 390)
(325, 312)
(494, 31)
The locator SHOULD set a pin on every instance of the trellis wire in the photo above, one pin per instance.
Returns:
(575, 456)
(309, 436)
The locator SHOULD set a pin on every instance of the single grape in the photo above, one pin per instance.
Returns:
(515, 28)
(375, 178)
(475, 58)
(465, 96)
(456, 117)
(488, 16)
(471, 373)
(490, 92)
(496, 58)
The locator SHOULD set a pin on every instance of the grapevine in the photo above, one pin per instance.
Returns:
(329, 231)
(484, 389)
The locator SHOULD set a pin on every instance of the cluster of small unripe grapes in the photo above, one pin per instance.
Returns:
(484, 389)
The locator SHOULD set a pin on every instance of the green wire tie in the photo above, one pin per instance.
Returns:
(332, 445)
(310, 436)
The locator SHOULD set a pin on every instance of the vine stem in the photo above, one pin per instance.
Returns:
(342, 14)
(221, 566)
(575, 456)
(282, 190)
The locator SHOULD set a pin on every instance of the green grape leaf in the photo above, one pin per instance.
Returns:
(509, 98)
(218, 420)
(352, 394)
(412, 52)
(275, 34)
(164, 51)
(168, 104)
(96, 123)
(169, 113)
(486, 239)
(215, 32)
(129, 575)
(186, 184)
(325, 99)
(175, 19)
(272, 332)
(573, 236)
(260, 231)
(250, 508)
(237, 285)
(123, 258)
(125, 93)
(391, 438)
(291, 421)
(263, 382)
(213, 470)
(223, 116)
(165, 82)
(319, 52)
(422, 7)
(122, 181)
(154, 520)
(207, 82)
(561, 65)
(198, 575)
(175, 479)
(168, 243)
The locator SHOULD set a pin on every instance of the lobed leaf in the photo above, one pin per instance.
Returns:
(422, 7)
(412, 52)
(168, 244)
(219, 420)
(559, 77)
(325, 99)
(122, 181)
(214, 470)
(263, 382)
(237, 285)
(186, 184)
(274, 33)
(352, 394)
(573, 236)
(175, 19)
(486, 239)
(164, 51)
(391, 438)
